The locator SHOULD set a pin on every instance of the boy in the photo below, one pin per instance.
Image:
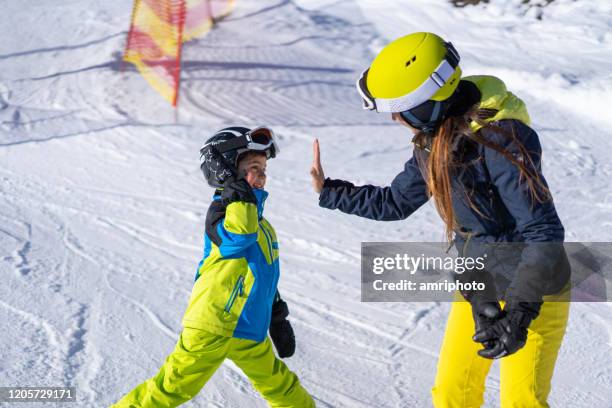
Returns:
(234, 300)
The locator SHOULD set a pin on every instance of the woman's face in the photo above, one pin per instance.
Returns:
(396, 117)
(253, 168)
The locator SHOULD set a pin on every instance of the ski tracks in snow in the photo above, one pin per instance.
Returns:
(101, 234)
(233, 78)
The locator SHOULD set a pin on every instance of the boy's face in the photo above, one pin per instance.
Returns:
(253, 168)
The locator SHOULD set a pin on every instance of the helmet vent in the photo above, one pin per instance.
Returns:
(410, 61)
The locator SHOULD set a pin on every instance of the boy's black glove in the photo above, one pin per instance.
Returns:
(281, 331)
(217, 170)
(225, 176)
(507, 334)
(237, 190)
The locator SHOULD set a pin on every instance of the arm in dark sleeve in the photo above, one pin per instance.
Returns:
(538, 223)
(405, 195)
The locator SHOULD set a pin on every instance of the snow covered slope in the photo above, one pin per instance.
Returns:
(102, 202)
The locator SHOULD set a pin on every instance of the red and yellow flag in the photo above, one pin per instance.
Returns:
(157, 32)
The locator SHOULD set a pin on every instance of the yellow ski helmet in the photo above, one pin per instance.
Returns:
(409, 71)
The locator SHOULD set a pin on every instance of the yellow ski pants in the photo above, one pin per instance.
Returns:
(525, 376)
(197, 356)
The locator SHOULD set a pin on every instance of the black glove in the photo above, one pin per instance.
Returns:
(506, 335)
(485, 314)
(217, 170)
(281, 331)
(485, 307)
(224, 175)
(237, 190)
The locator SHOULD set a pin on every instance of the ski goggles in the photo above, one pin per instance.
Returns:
(425, 116)
(259, 139)
(435, 81)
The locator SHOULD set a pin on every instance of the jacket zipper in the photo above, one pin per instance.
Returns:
(271, 251)
(238, 289)
(269, 242)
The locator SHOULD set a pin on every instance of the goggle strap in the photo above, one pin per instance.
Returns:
(244, 141)
(232, 144)
(437, 79)
(452, 56)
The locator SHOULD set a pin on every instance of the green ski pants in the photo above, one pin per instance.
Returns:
(195, 359)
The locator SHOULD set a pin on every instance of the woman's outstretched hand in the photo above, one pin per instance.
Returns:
(316, 171)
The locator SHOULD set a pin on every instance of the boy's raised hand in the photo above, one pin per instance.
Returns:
(316, 171)
(224, 175)
(218, 169)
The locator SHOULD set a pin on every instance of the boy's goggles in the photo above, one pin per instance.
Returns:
(426, 90)
(258, 139)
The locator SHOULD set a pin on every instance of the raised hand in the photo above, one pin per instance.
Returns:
(316, 171)
(224, 176)
(216, 169)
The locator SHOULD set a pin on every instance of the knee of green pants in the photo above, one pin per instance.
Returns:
(269, 375)
(286, 392)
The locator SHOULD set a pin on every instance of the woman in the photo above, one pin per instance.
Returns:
(479, 160)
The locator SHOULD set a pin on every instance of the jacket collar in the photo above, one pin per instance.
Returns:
(260, 194)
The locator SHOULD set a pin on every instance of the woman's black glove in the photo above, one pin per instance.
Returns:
(485, 315)
(485, 307)
(507, 334)
(281, 331)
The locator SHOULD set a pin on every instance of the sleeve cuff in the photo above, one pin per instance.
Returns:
(324, 194)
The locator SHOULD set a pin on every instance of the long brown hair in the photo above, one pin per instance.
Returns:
(443, 162)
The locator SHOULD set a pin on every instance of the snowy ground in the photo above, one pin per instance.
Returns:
(102, 203)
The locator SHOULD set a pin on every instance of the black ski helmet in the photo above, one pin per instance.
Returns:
(230, 143)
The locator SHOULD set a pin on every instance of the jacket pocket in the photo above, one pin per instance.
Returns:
(237, 290)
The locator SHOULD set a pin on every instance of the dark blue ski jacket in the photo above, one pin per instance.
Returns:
(506, 211)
